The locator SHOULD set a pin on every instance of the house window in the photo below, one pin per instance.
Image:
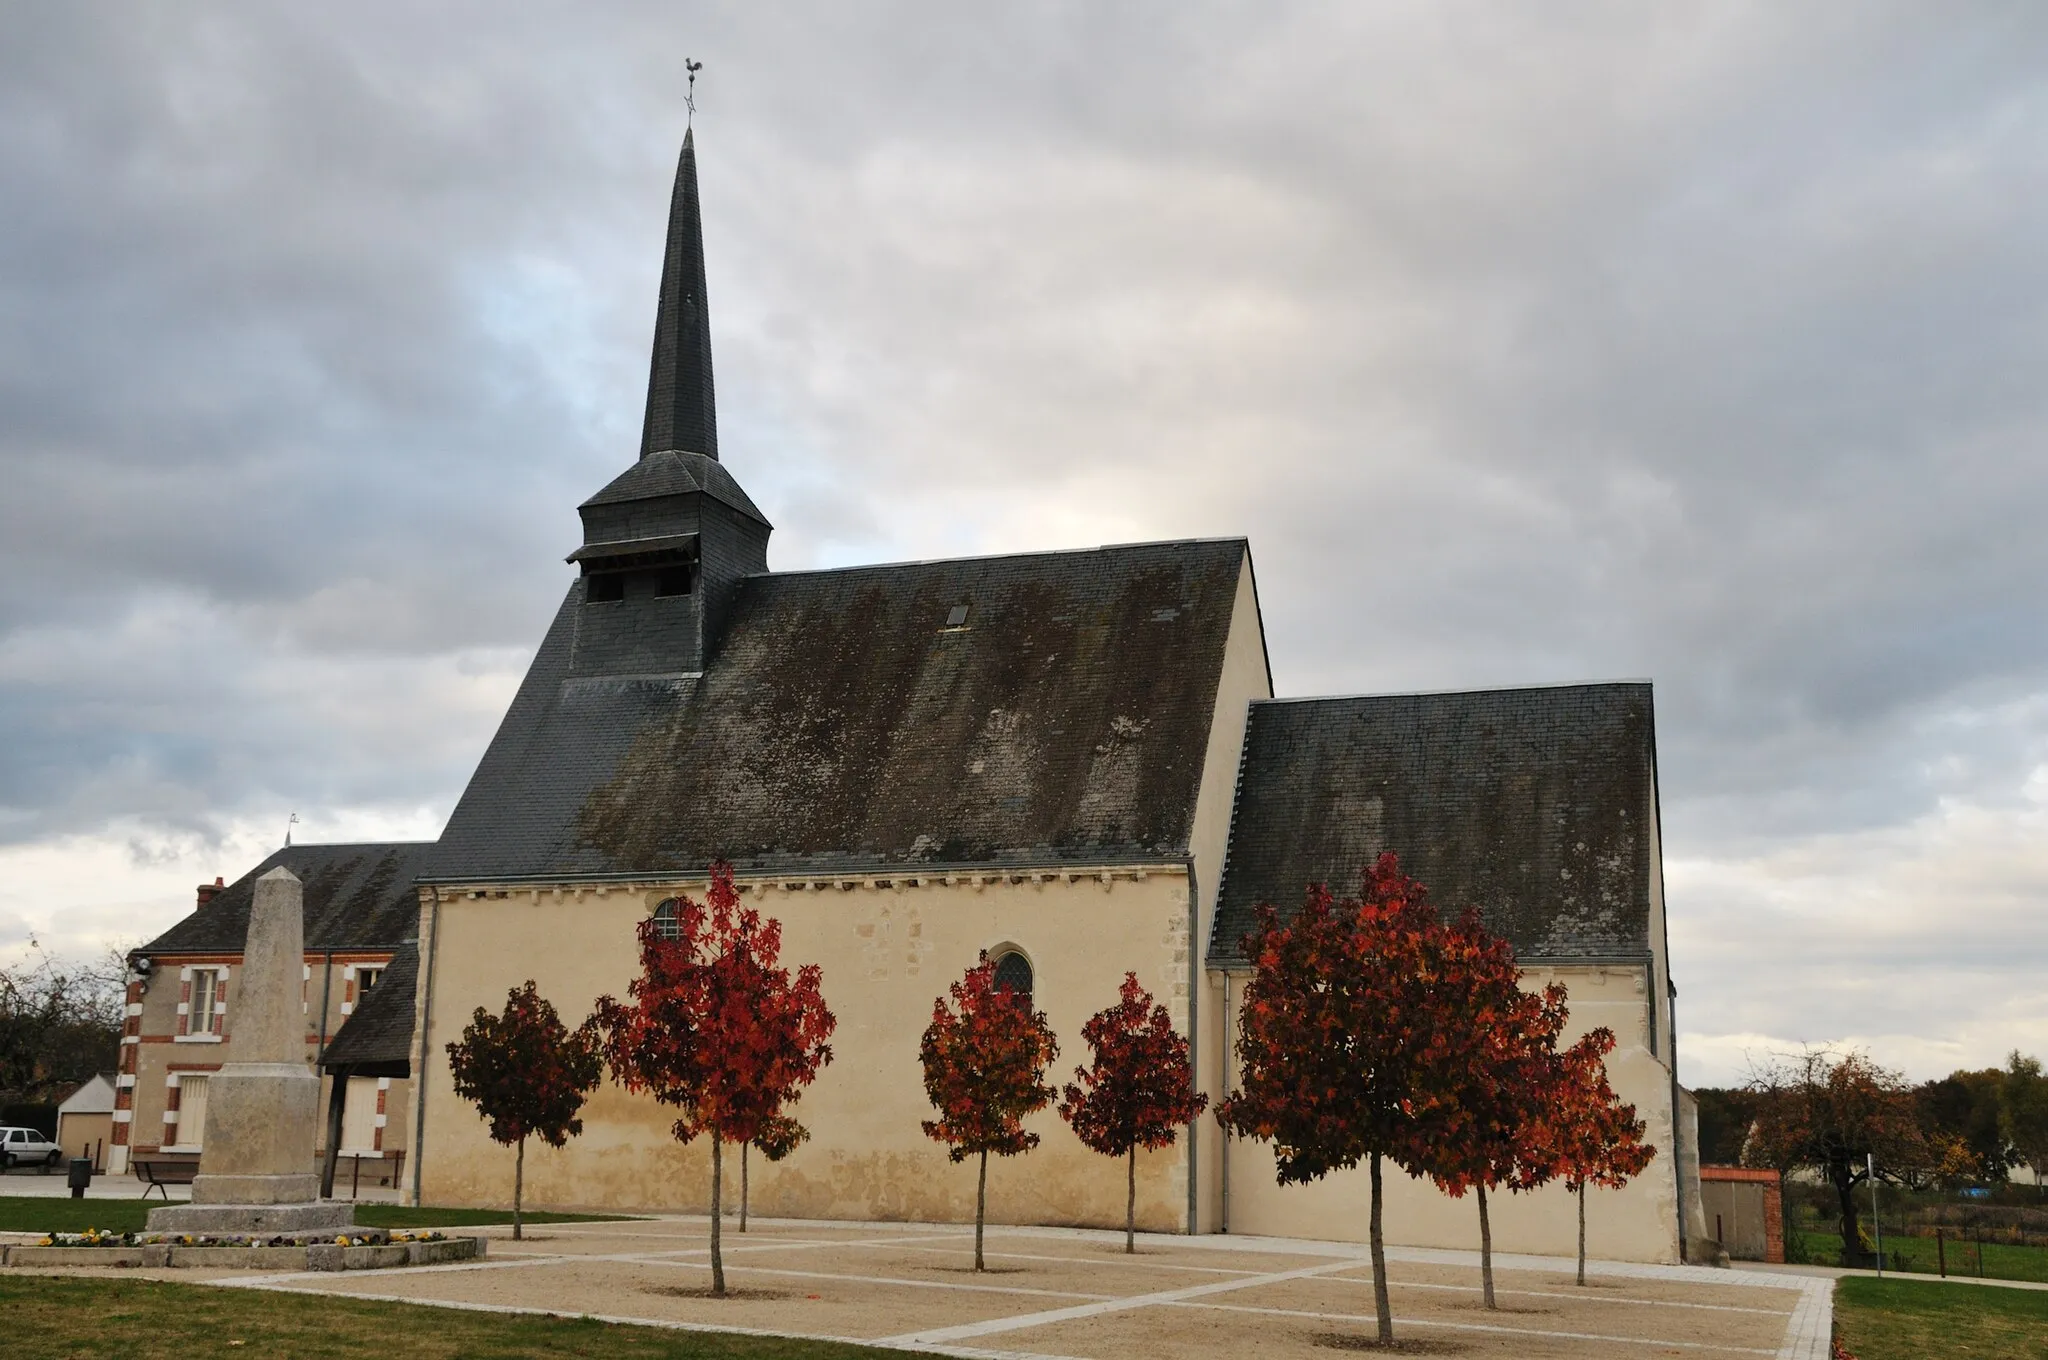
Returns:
(604, 588)
(667, 925)
(1013, 970)
(672, 581)
(366, 978)
(191, 1111)
(205, 988)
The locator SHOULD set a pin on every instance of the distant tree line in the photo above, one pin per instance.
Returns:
(60, 1023)
(1844, 1118)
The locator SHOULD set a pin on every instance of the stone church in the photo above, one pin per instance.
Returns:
(1071, 760)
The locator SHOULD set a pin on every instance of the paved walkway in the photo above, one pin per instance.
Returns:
(1075, 1295)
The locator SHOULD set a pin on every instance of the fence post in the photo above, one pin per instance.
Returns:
(1940, 1255)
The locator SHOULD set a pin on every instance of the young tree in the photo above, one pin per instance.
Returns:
(1500, 1062)
(2023, 1112)
(1139, 1093)
(1341, 1041)
(527, 1073)
(1592, 1137)
(984, 1070)
(717, 1029)
(1837, 1114)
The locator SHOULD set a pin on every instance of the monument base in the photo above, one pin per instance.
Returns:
(318, 1218)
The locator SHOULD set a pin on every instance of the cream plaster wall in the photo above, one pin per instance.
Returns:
(1245, 677)
(887, 953)
(1636, 1223)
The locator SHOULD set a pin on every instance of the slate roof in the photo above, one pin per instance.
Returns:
(358, 896)
(1535, 805)
(378, 1034)
(674, 473)
(682, 410)
(841, 726)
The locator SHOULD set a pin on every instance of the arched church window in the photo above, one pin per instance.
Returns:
(667, 925)
(1013, 970)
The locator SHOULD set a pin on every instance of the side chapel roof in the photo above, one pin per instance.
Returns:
(379, 1033)
(1538, 806)
(843, 725)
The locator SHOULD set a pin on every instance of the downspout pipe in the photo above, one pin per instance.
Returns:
(419, 1068)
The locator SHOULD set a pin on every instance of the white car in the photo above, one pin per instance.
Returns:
(26, 1147)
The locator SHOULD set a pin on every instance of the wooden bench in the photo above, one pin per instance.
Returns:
(160, 1171)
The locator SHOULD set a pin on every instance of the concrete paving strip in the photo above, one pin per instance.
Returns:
(1125, 1262)
(1637, 1342)
(666, 1324)
(969, 1330)
(1588, 1297)
(861, 1279)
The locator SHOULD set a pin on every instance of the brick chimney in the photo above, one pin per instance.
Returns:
(209, 891)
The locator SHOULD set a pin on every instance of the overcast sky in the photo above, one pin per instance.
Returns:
(1703, 343)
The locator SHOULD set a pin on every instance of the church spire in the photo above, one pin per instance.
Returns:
(681, 410)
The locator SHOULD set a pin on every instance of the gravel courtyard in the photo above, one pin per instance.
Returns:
(1053, 1292)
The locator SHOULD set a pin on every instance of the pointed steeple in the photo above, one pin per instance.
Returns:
(681, 410)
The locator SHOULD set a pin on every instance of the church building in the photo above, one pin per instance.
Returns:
(1072, 761)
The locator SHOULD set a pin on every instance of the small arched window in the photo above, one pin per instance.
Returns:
(667, 925)
(1013, 970)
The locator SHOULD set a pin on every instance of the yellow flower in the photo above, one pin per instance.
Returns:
(47, 1241)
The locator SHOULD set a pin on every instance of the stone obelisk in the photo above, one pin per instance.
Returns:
(262, 1109)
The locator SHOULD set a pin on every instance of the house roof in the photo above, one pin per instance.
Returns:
(1537, 806)
(92, 1097)
(357, 896)
(379, 1032)
(843, 726)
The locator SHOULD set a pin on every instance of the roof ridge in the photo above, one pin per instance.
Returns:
(1001, 557)
(1444, 693)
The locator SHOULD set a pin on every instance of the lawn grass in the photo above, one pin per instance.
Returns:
(34, 1213)
(2002, 1260)
(1897, 1319)
(51, 1316)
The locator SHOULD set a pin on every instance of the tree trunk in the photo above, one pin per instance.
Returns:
(717, 1176)
(1381, 1306)
(518, 1187)
(980, 1208)
(1485, 1251)
(743, 1185)
(1582, 1232)
(1131, 1206)
(1845, 1195)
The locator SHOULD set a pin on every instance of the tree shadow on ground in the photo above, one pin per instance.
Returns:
(732, 1293)
(1360, 1341)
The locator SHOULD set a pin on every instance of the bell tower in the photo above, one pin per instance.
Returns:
(666, 544)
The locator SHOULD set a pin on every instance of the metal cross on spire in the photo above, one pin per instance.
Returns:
(690, 97)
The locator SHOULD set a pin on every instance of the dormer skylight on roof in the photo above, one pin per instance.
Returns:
(956, 617)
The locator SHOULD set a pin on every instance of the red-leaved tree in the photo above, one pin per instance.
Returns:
(527, 1074)
(1591, 1136)
(1140, 1091)
(984, 1069)
(1342, 1045)
(717, 1029)
(1498, 1064)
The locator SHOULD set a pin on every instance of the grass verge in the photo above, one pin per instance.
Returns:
(51, 1316)
(1929, 1320)
(34, 1213)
